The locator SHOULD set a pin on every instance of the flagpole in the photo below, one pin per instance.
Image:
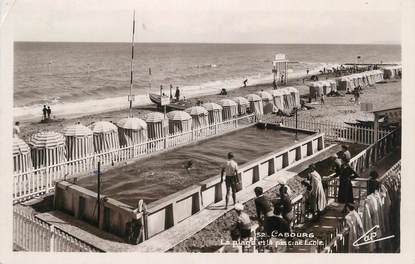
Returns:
(130, 98)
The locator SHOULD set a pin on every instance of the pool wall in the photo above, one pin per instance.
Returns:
(172, 209)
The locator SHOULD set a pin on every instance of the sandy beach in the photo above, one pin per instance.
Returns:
(335, 109)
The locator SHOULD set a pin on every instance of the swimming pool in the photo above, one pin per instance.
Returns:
(158, 176)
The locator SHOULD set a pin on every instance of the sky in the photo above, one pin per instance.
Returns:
(212, 21)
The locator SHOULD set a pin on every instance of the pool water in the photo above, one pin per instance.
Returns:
(158, 176)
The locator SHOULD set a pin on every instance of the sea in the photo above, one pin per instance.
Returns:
(86, 78)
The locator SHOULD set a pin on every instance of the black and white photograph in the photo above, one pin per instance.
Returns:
(179, 126)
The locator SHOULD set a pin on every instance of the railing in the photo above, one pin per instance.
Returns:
(340, 242)
(40, 181)
(32, 234)
(362, 162)
(332, 130)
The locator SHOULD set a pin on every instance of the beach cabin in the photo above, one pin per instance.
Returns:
(278, 98)
(265, 96)
(132, 131)
(179, 122)
(22, 160)
(255, 104)
(295, 96)
(230, 109)
(199, 116)
(79, 141)
(391, 72)
(105, 136)
(315, 89)
(155, 128)
(47, 149)
(333, 85)
(243, 104)
(214, 113)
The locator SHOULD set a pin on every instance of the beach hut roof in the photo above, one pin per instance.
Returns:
(278, 92)
(291, 89)
(241, 100)
(227, 102)
(177, 115)
(253, 97)
(265, 95)
(103, 127)
(196, 111)
(47, 139)
(76, 130)
(20, 147)
(132, 123)
(154, 117)
(212, 106)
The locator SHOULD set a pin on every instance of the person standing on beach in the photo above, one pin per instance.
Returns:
(322, 99)
(245, 81)
(45, 111)
(177, 94)
(49, 111)
(274, 84)
(308, 71)
(16, 129)
(171, 92)
(230, 170)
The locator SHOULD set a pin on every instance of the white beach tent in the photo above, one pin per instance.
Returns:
(47, 148)
(243, 104)
(278, 98)
(214, 112)
(22, 161)
(105, 136)
(199, 116)
(255, 104)
(179, 122)
(295, 95)
(230, 109)
(79, 141)
(333, 85)
(132, 131)
(154, 122)
(265, 96)
(315, 89)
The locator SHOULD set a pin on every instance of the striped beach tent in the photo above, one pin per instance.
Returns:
(214, 112)
(230, 109)
(154, 122)
(295, 95)
(22, 161)
(199, 116)
(243, 104)
(132, 131)
(47, 148)
(255, 103)
(265, 96)
(105, 135)
(179, 122)
(79, 141)
(278, 98)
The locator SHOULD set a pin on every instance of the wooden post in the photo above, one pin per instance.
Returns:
(52, 238)
(99, 192)
(376, 129)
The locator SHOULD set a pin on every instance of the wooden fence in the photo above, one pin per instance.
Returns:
(32, 234)
(29, 184)
(332, 130)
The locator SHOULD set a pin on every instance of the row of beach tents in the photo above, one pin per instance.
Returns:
(78, 141)
(392, 72)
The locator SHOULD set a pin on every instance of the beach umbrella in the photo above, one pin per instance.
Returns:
(105, 135)
(132, 131)
(214, 112)
(179, 121)
(255, 103)
(230, 109)
(243, 104)
(47, 148)
(265, 96)
(155, 125)
(199, 116)
(21, 156)
(79, 141)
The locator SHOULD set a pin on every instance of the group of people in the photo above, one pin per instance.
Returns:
(275, 216)
(176, 94)
(46, 112)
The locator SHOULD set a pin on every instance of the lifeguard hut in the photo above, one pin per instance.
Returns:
(280, 68)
